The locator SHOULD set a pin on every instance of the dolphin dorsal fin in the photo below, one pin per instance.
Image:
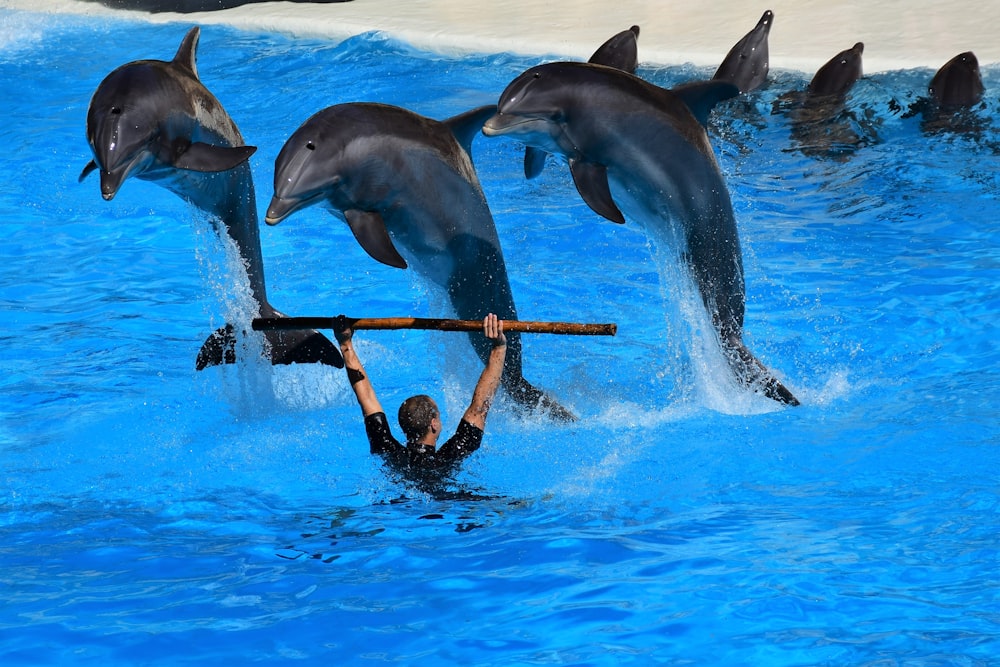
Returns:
(187, 52)
(467, 125)
(702, 96)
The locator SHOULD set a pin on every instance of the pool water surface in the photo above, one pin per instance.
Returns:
(154, 514)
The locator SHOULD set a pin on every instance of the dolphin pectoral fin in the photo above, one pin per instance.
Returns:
(591, 181)
(206, 157)
(467, 125)
(371, 234)
(534, 161)
(702, 96)
(285, 347)
(87, 171)
(753, 373)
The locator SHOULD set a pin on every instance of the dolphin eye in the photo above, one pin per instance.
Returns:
(310, 145)
(538, 75)
(116, 111)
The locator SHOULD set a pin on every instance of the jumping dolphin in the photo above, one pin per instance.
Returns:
(651, 144)
(154, 120)
(621, 51)
(958, 83)
(746, 65)
(400, 179)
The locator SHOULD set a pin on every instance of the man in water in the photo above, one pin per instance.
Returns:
(419, 416)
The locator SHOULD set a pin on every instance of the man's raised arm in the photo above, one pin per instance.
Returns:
(360, 383)
(489, 381)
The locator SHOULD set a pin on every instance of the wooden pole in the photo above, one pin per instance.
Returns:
(385, 323)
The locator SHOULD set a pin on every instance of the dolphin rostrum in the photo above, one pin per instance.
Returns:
(651, 144)
(407, 188)
(156, 121)
(747, 63)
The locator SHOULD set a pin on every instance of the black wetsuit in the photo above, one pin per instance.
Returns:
(414, 460)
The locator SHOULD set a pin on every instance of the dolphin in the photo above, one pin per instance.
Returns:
(407, 188)
(621, 51)
(839, 74)
(652, 146)
(156, 121)
(746, 65)
(821, 124)
(958, 83)
(955, 89)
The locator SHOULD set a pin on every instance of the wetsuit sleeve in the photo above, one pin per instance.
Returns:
(466, 440)
(380, 438)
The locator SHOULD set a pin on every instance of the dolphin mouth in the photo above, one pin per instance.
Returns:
(500, 123)
(111, 183)
(279, 209)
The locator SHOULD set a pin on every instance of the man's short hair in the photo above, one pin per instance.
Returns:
(415, 415)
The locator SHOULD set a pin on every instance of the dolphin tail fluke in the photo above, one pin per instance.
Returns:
(530, 398)
(468, 125)
(702, 96)
(285, 347)
(751, 371)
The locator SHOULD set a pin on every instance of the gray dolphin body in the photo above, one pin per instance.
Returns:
(958, 83)
(748, 62)
(839, 74)
(651, 144)
(154, 120)
(621, 51)
(821, 124)
(398, 178)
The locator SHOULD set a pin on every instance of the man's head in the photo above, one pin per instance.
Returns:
(416, 415)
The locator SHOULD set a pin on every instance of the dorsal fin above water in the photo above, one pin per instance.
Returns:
(187, 52)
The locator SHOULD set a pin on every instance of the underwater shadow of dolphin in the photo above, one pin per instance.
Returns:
(652, 144)
(396, 176)
(156, 121)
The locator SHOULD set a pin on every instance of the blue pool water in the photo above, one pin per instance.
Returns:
(151, 514)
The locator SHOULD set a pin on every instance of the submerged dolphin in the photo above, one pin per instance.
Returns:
(958, 83)
(651, 144)
(154, 120)
(621, 51)
(839, 74)
(747, 63)
(952, 95)
(821, 124)
(398, 178)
